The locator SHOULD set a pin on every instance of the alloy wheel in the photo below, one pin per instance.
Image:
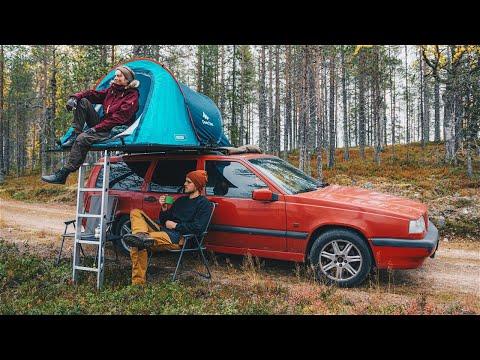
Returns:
(340, 260)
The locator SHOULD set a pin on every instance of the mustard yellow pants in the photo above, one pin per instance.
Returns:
(140, 222)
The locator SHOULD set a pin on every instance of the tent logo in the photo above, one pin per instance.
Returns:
(206, 122)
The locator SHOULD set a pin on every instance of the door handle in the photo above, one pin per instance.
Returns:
(150, 199)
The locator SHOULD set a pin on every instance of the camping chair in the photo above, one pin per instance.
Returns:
(193, 243)
(92, 223)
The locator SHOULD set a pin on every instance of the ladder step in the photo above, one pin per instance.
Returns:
(92, 242)
(85, 268)
(90, 189)
(90, 215)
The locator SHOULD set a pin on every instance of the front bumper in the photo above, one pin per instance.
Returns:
(429, 242)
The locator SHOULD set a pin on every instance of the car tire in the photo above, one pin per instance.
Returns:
(122, 227)
(334, 263)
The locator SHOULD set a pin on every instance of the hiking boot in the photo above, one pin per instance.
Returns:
(138, 240)
(59, 177)
(70, 140)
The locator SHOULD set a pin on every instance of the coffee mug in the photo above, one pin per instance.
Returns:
(169, 199)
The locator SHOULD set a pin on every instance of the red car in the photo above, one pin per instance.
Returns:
(270, 209)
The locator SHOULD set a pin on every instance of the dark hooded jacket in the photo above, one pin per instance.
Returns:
(120, 103)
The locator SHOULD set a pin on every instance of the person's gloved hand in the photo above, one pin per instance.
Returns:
(90, 131)
(71, 104)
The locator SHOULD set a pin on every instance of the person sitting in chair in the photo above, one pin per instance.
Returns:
(120, 103)
(188, 215)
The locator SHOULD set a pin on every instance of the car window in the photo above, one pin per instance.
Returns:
(231, 179)
(125, 175)
(169, 175)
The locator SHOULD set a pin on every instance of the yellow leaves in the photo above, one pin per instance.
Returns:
(360, 47)
(465, 50)
(459, 51)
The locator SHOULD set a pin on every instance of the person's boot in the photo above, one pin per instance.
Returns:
(70, 140)
(59, 177)
(139, 240)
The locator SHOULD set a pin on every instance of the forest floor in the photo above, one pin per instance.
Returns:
(31, 221)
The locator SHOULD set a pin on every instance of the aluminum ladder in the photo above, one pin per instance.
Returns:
(80, 215)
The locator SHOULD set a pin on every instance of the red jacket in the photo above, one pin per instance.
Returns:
(119, 104)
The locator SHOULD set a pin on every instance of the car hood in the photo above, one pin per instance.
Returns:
(366, 200)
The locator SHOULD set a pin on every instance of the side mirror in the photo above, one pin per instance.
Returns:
(264, 195)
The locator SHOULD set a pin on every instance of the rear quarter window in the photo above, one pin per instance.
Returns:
(126, 176)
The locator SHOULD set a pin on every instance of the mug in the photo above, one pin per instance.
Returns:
(169, 199)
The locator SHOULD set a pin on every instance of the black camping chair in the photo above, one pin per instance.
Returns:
(92, 223)
(193, 243)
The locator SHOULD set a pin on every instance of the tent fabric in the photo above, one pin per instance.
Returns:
(170, 114)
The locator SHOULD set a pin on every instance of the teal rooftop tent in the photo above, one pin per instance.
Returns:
(170, 114)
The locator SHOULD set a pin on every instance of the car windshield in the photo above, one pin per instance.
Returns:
(288, 177)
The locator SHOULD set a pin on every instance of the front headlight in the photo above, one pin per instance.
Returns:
(417, 226)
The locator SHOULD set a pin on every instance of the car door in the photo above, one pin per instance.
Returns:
(167, 178)
(239, 221)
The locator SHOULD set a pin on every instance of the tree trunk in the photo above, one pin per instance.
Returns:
(222, 80)
(199, 69)
(302, 116)
(277, 101)
(233, 128)
(288, 105)
(2, 133)
(346, 139)
(44, 129)
(112, 55)
(242, 99)
(406, 96)
(421, 95)
(355, 95)
(377, 102)
(449, 126)
(320, 121)
(271, 134)
(53, 105)
(361, 104)
(331, 155)
(262, 103)
(437, 110)
(426, 107)
(393, 105)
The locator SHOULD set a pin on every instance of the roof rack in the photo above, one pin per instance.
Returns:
(175, 149)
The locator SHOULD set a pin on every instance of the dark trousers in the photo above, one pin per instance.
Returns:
(84, 113)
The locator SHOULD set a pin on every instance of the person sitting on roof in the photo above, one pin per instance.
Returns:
(120, 103)
(188, 215)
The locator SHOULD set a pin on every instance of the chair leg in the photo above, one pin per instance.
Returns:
(208, 275)
(179, 260)
(63, 241)
(60, 251)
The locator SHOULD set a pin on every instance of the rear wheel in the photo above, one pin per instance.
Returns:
(340, 257)
(123, 227)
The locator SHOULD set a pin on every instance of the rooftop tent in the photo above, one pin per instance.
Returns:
(170, 114)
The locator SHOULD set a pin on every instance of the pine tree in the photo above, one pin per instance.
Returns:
(262, 102)
(2, 162)
(346, 138)
(331, 122)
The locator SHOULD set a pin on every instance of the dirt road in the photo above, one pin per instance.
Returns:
(456, 267)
